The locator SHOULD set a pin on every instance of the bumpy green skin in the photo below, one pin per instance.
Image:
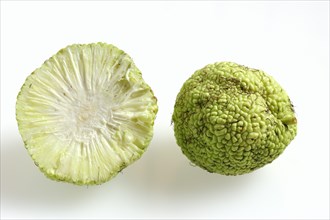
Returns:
(231, 119)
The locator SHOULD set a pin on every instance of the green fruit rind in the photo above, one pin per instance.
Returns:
(86, 114)
(231, 119)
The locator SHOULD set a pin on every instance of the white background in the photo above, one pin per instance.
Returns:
(168, 42)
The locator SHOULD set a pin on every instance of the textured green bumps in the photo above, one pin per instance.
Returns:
(231, 119)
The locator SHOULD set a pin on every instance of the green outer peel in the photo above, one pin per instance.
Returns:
(86, 114)
(231, 119)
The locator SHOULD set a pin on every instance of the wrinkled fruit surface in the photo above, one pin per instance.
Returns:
(231, 119)
(86, 114)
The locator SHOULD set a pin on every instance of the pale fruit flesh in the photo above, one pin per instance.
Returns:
(86, 114)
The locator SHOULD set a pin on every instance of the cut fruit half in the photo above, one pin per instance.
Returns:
(86, 114)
